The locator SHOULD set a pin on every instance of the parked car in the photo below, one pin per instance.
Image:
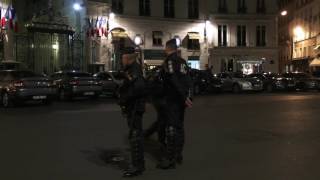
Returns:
(76, 84)
(272, 82)
(110, 81)
(204, 82)
(303, 81)
(237, 82)
(10, 65)
(17, 87)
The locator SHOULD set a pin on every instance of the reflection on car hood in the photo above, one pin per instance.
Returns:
(251, 80)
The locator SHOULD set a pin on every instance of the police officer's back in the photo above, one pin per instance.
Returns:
(177, 92)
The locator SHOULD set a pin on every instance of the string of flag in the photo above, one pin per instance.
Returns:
(97, 27)
(9, 18)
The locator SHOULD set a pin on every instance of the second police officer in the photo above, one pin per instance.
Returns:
(177, 95)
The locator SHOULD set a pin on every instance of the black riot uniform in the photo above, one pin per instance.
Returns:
(132, 102)
(177, 88)
(156, 95)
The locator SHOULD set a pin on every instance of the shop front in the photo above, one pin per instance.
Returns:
(194, 62)
(301, 65)
(153, 58)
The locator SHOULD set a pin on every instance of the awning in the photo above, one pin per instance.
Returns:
(119, 34)
(157, 34)
(194, 35)
(315, 62)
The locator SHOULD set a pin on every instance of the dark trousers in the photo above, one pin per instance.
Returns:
(136, 138)
(175, 137)
(159, 125)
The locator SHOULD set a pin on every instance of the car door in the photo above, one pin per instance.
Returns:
(57, 79)
(108, 82)
(226, 81)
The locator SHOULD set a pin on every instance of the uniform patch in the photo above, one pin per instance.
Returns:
(170, 67)
(183, 69)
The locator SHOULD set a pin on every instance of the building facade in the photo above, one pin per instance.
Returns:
(225, 34)
(300, 32)
(244, 36)
(228, 35)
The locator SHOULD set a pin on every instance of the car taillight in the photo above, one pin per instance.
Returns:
(74, 83)
(18, 84)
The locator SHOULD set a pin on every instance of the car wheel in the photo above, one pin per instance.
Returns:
(95, 97)
(6, 101)
(47, 102)
(236, 89)
(269, 88)
(63, 96)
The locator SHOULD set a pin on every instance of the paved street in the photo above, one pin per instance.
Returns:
(229, 137)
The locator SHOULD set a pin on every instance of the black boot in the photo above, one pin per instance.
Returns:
(179, 159)
(170, 161)
(137, 157)
(180, 144)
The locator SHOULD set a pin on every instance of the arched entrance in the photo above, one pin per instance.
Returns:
(120, 40)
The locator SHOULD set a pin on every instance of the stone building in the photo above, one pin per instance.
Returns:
(225, 34)
(244, 36)
(300, 30)
(228, 35)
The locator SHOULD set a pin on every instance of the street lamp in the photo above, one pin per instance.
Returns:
(138, 40)
(178, 40)
(112, 15)
(284, 13)
(298, 33)
(77, 6)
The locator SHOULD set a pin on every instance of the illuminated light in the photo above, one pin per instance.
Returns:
(298, 32)
(208, 23)
(112, 15)
(138, 40)
(284, 13)
(55, 46)
(178, 40)
(77, 6)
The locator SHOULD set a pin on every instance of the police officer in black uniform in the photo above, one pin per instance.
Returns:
(177, 93)
(132, 103)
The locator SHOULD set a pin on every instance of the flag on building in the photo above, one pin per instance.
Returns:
(101, 31)
(12, 18)
(92, 27)
(97, 26)
(8, 17)
(89, 27)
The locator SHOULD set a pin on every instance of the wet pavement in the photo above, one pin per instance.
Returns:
(229, 137)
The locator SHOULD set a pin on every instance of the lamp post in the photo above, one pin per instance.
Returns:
(138, 41)
(77, 8)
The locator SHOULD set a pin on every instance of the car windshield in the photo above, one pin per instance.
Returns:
(301, 75)
(296, 75)
(260, 76)
(78, 74)
(238, 75)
